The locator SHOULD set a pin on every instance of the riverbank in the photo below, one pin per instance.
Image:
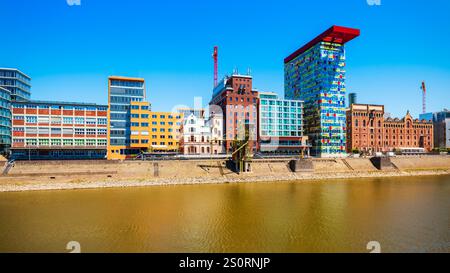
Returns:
(58, 175)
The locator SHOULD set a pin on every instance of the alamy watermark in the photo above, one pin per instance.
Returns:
(73, 2)
(373, 2)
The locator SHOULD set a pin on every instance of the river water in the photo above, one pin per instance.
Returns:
(403, 214)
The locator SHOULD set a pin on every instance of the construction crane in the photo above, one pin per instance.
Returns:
(215, 57)
(424, 97)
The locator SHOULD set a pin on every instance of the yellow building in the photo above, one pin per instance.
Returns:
(154, 131)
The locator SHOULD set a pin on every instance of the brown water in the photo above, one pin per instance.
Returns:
(403, 214)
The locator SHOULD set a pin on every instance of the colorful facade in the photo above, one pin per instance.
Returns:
(280, 123)
(5, 120)
(369, 131)
(58, 130)
(122, 91)
(235, 98)
(159, 132)
(315, 74)
(17, 82)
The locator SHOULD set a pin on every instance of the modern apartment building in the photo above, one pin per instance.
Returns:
(58, 130)
(280, 127)
(315, 74)
(369, 131)
(122, 91)
(237, 100)
(18, 83)
(5, 120)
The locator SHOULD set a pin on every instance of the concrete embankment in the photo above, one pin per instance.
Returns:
(47, 175)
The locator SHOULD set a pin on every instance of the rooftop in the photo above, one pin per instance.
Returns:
(335, 34)
(42, 102)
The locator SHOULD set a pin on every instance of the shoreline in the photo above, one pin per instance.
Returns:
(290, 177)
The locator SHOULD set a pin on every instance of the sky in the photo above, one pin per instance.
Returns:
(70, 50)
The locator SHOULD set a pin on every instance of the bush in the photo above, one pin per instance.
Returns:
(355, 151)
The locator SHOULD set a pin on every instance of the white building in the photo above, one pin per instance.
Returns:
(201, 136)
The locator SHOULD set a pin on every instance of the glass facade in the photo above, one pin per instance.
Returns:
(121, 93)
(17, 83)
(280, 117)
(5, 120)
(317, 77)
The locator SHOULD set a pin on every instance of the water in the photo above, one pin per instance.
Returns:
(403, 214)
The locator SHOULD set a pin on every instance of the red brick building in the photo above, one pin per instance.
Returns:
(369, 131)
(237, 100)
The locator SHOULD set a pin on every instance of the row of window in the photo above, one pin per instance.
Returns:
(58, 107)
(63, 120)
(61, 142)
(59, 131)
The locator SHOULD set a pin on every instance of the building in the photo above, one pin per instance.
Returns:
(198, 112)
(236, 99)
(17, 83)
(441, 122)
(280, 127)
(352, 98)
(122, 91)
(58, 130)
(153, 132)
(195, 136)
(369, 131)
(315, 74)
(165, 131)
(215, 123)
(5, 120)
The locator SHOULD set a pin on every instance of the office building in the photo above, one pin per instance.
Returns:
(18, 83)
(122, 91)
(280, 123)
(315, 74)
(58, 130)
(5, 120)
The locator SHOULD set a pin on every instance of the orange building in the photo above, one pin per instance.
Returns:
(369, 131)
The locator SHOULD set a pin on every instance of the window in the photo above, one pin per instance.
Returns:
(56, 142)
(91, 121)
(79, 121)
(102, 121)
(68, 120)
(79, 131)
(31, 119)
(144, 124)
(55, 120)
(90, 132)
(144, 116)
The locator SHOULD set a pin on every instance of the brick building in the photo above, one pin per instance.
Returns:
(369, 131)
(237, 100)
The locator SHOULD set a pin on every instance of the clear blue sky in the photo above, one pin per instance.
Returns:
(69, 51)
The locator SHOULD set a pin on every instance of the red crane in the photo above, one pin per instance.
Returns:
(215, 55)
(424, 97)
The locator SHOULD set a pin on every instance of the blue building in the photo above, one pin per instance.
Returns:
(5, 120)
(16, 82)
(121, 92)
(280, 125)
(315, 74)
